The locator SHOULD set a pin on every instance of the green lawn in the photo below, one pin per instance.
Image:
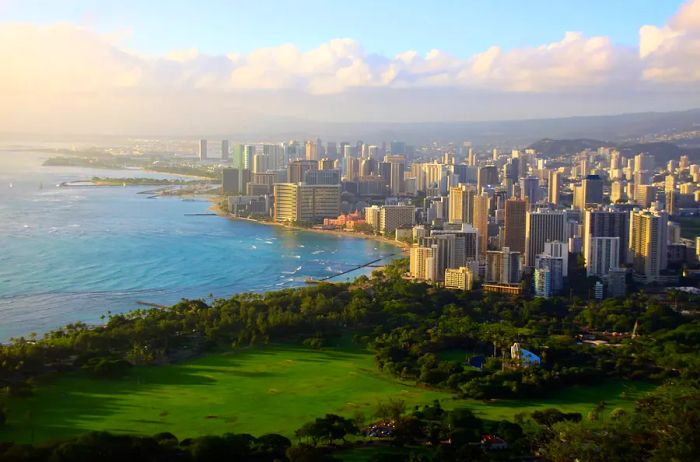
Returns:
(258, 390)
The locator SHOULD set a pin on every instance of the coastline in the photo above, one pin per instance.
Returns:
(402, 246)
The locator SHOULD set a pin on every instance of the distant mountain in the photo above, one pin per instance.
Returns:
(508, 133)
(662, 152)
(553, 148)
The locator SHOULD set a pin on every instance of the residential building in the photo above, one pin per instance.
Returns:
(395, 216)
(541, 226)
(503, 266)
(481, 221)
(515, 220)
(648, 242)
(302, 203)
(460, 278)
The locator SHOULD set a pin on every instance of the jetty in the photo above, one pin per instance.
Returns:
(354, 268)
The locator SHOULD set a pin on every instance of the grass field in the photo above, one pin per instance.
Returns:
(259, 390)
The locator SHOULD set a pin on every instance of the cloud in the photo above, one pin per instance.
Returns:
(64, 73)
(671, 53)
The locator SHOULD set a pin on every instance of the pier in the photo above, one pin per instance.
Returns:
(354, 268)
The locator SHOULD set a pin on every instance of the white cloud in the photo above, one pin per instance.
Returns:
(671, 53)
(49, 71)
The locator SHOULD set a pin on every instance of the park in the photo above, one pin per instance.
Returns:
(257, 390)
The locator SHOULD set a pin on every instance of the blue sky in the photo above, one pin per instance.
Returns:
(460, 28)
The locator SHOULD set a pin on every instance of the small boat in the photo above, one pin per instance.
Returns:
(12, 185)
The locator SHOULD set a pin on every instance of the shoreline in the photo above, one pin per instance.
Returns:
(401, 246)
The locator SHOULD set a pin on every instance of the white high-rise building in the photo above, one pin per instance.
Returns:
(603, 255)
(202, 150)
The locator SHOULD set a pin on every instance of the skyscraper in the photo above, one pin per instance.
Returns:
(643, 162)
(481, 221)
(591, 192)
(542, 226)
(607, 222)
(530, 189)
(515, 217)
(553, 187)
(202, 149)
(461, 203)
(488, 175)
(648, 242)
(392, 172)
(224, 150)
(296, 170)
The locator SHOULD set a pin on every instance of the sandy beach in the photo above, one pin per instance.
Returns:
(403, 246)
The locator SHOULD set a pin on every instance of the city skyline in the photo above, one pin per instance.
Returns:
(113, 69)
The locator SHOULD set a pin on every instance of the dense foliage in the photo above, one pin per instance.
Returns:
(412, 329)
(418, 332)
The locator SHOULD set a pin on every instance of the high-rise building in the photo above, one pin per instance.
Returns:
(515, 217)
(311, 151)
(555, 267)
(607, 222)
(645, 194)
(488, 175)
(202, 149)
(603, 255)
(224, 150)
(392, 171)
(234, 181)
(461, 203)
(543, 282)
(590, 192)
(420, 259)
(302, 203)
(643, 162)
(617, 192)
(542, 226)
(553, 187)
(648, 242)
(558, 249)
(481, 221)
(503, 266)
(322, 176)
(442, 256)
(530, 189)
(466, 246)
(395, 216)
(296, 170)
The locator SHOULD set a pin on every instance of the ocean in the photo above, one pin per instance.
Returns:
(72, 254)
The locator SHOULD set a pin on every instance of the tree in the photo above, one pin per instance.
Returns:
(391, 409)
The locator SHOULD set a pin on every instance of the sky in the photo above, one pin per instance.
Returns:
(186, 67)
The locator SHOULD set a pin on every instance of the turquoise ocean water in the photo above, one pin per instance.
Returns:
(71, 254)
